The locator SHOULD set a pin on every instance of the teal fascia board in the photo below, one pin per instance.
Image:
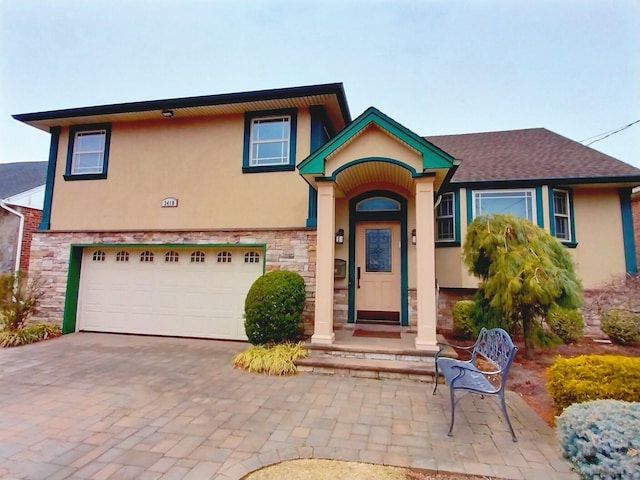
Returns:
(627, 231)
(45, 221)
(432, 156)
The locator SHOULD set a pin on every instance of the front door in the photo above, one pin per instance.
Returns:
(378, 271)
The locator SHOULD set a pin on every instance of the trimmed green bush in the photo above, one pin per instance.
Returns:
(602, 439)
(566, 323)
(621, 325)
(593, 377)
(273, 307)
(463, 326)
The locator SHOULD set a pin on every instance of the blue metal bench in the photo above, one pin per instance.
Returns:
(497, 350)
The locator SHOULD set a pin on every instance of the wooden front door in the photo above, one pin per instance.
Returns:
(378, 271)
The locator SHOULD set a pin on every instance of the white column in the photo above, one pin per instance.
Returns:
(426, 274)
(325, 253)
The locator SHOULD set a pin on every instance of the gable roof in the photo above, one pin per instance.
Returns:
(530, 154)
(433, 156)
(21, 176)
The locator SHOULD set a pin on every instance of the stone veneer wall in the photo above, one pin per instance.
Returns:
(286, 249)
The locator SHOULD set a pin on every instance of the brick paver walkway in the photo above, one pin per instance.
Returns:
(97, 406)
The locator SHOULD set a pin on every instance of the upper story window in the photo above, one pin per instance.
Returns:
(88, 152)
(520, 203)
(269, 141)
(445, 219)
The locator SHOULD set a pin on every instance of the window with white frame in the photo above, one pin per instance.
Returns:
(252, 257)
(88, 151)
(270, 141)
(561, 215)
(445, 218)
(520, 203)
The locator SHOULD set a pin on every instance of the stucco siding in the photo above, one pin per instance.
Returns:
(600, 251)
(373, 142)
(197, 161)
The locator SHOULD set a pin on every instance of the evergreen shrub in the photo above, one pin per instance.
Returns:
(273, 307)
(621, 325)
(463, 326)
(566, 323)
(593, 377)
(602, 439)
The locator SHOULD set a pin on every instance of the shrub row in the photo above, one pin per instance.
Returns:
(602, 439)
(593, 377)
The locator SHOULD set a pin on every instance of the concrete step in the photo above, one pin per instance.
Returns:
(330, 364)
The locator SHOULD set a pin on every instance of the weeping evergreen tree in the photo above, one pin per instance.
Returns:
(524, 271)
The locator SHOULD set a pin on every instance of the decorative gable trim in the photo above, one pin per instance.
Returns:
(432, 156)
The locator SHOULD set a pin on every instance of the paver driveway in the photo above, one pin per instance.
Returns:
(100, 406)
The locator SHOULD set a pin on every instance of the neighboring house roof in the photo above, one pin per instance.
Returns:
(21, 176)
(531, 154)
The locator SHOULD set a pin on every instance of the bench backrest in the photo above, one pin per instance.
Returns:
(497, 347)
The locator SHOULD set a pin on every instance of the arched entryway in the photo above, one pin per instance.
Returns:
(378, 258)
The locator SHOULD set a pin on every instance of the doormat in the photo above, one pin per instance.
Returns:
(361, 332)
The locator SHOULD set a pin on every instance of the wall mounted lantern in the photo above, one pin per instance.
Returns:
(414, 237)
(340, 237)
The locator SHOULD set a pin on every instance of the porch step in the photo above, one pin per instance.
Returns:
(330, 364)
(371, 361)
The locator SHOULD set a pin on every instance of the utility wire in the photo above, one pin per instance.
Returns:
(608, 134)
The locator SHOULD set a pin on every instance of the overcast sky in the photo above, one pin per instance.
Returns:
(437, 67)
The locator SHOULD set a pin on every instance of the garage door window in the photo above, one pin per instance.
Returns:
(197, 257)
(146, 257)
(171, 257)
(252, 257)
(122, 256)
(99, 256)
(224, 257)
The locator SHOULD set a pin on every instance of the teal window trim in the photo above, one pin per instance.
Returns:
(249, 117)
(319, 135)
(539, 211)
(455, 241)
(68, 175)
(355, 217)
(45, 221)
(572, 241)
(627, 231)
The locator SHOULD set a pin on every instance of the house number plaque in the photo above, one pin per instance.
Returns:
(169, 202)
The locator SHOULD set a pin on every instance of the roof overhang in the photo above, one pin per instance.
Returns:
(331, 96)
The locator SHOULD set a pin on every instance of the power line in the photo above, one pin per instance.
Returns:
(608, 134)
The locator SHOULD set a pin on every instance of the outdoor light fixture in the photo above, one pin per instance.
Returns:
(414, 237)
(167, 113)
(340, 237)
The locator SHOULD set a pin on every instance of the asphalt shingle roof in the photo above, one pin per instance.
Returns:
(529, 154)
(21, 176)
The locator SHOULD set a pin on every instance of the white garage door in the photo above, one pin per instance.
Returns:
(191, 292)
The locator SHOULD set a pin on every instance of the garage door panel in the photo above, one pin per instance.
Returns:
(166, 298)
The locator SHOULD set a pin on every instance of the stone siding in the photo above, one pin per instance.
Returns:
(286, 249)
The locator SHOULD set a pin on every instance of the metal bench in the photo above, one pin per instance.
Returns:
(485, 373)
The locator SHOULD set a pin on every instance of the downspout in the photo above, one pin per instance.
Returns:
(20, 232)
